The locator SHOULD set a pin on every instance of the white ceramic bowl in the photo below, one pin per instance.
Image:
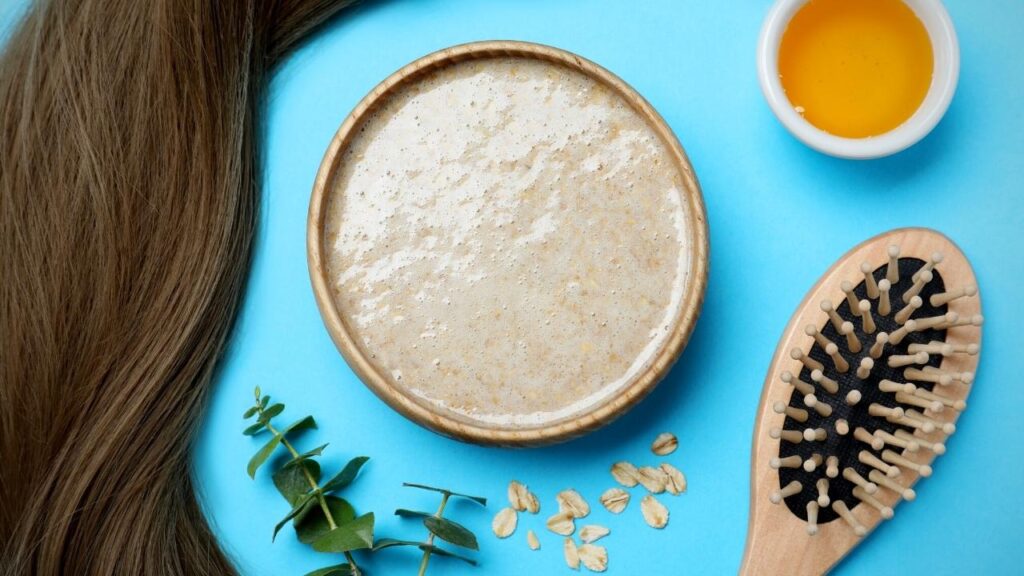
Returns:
(944, 78)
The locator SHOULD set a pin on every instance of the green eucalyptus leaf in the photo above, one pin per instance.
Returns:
(264, 401)
(347, 474)
(291, 481)
(272, 411)
(250, 412)
(412, 513)
(306, 456)
(307, 423)
(336, 570)
(315, 524)
(478, 499)
(355, 535)
(254, 429)
(442, 552)
(260, 457)
(298, 512)
(451, 532)
(257, 393)
(425, 487)
(391, 543)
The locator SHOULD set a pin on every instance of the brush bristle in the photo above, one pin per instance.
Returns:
(869, 381)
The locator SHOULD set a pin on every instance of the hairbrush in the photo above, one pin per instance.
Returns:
(865, 387)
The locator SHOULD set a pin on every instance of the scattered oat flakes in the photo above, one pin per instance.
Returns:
(532, 503)
(562, 523)
(595, 558)
(504, 523)
(592, 533)
(572, 555)
(665, 444)
(571, 502)
(676, 484)
(532, 541)
(615, 500)
(517, 495)
(625, 474)
(653, 479)
(655, 513)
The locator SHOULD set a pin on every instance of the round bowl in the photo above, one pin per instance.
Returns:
(944, 79)
(347, 338)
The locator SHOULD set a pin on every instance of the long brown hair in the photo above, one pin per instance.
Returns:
(127, 206)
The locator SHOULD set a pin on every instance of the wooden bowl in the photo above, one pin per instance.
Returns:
(427, 415)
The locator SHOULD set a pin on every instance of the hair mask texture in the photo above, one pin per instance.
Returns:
(507, 239)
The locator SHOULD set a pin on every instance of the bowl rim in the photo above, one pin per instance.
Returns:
(480, 433)
(945, 47)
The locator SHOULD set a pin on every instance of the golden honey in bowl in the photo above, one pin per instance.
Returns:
(856, 68)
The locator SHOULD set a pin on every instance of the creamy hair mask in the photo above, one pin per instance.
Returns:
(507, 243)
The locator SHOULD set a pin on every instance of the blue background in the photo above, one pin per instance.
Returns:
(779, 213)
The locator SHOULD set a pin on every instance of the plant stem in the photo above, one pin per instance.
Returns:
(315, 486)
(430, 539)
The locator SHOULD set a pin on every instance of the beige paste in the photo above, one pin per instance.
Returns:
(506, 238)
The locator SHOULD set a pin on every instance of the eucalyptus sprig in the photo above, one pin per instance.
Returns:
(437, 526)
(326, 522)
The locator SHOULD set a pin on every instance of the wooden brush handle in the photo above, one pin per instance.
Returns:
(779, 542)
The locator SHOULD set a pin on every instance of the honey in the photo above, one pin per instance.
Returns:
(856, 68)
